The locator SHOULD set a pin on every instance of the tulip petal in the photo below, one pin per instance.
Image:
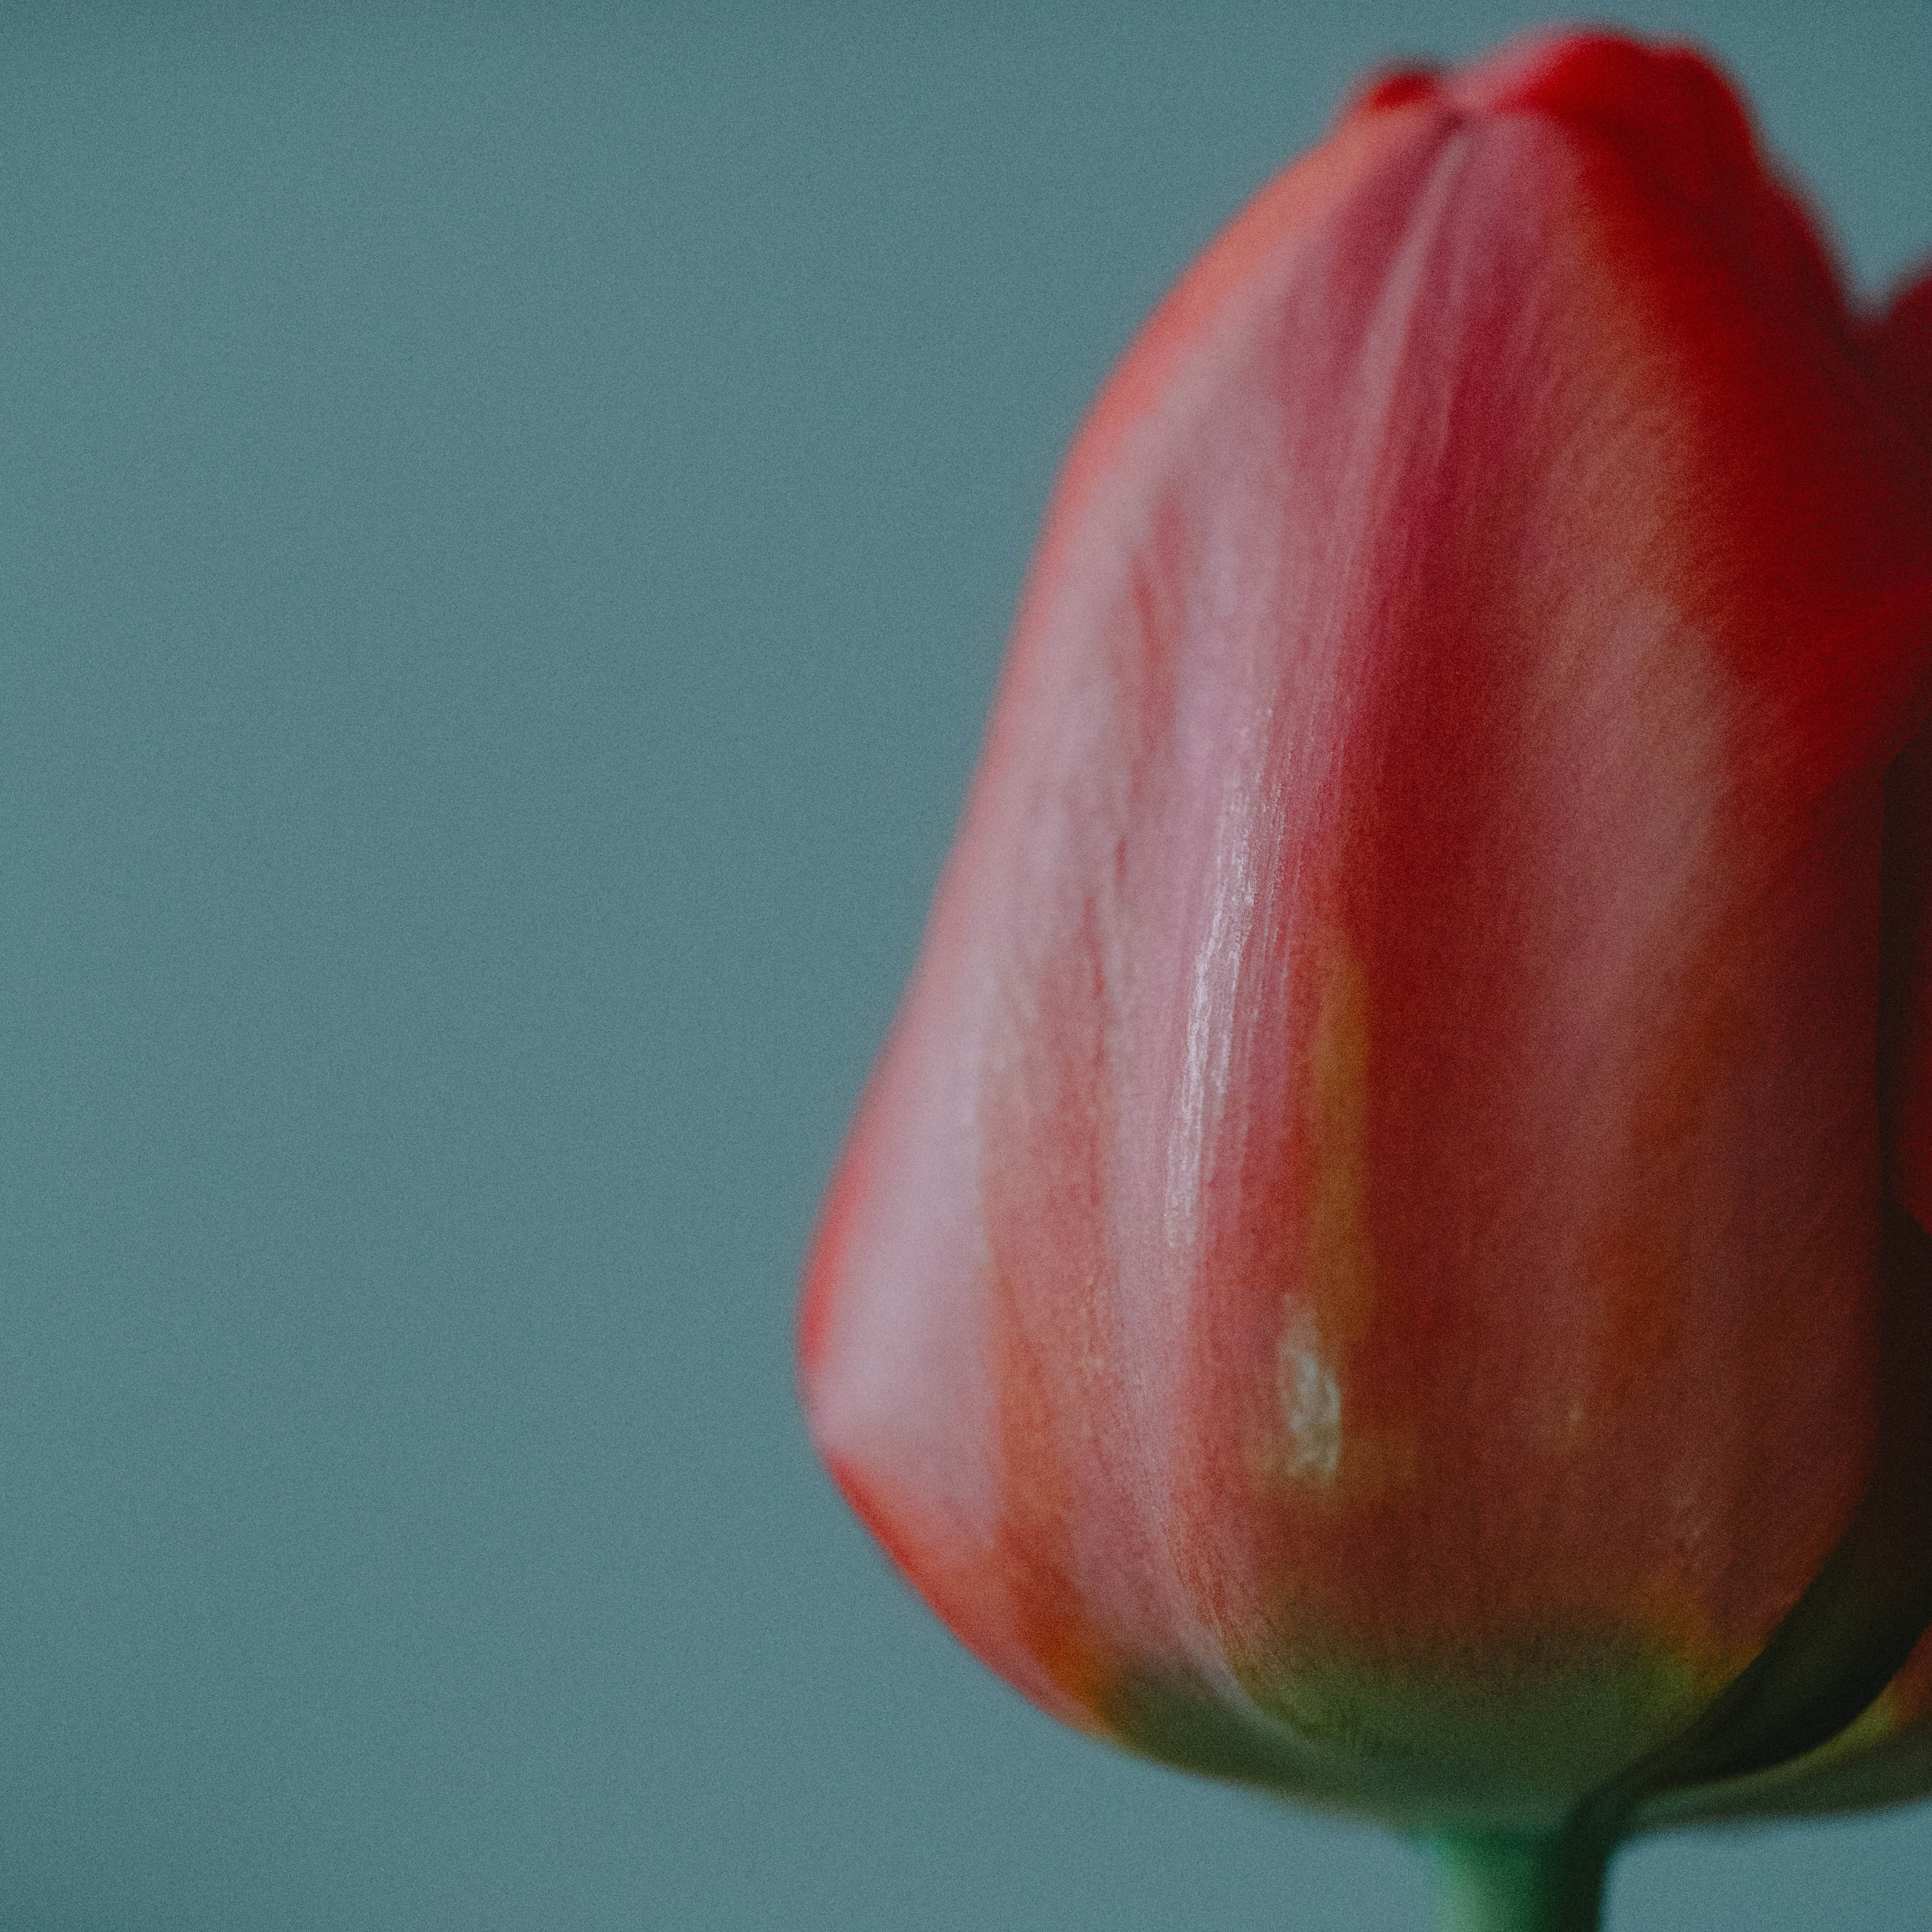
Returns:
(1901, 345)
(1886, 1756)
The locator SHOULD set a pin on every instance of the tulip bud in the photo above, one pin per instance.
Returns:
(1360, 1270)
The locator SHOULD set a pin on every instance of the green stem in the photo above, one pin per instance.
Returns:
(1521, 1884)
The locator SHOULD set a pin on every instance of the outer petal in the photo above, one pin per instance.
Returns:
(1356, 1268)
(1901, 345)
(1886, 1755)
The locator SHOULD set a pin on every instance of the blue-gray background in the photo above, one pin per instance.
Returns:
(509, 518)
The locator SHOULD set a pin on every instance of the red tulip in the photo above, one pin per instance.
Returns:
(1361, 1269)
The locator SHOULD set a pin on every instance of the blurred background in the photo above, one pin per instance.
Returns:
(510, 518)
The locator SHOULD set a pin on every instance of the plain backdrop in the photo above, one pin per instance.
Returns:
(508, 519)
